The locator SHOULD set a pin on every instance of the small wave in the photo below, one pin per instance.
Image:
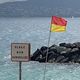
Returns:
(7, 57)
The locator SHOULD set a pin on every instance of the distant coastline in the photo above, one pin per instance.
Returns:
(37, 8)
(35, 16)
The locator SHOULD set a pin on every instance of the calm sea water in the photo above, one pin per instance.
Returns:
(36, 32)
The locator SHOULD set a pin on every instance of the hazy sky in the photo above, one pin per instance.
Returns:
(3, 1)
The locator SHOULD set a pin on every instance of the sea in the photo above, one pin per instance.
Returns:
(36, 32)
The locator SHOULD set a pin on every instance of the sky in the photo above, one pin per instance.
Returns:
(3, 1)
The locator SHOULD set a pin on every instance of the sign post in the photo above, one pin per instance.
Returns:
(20, 70)
(20, 52)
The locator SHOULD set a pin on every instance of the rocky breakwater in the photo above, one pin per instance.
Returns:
(62, 53)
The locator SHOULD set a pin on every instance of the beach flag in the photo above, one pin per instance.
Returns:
(58, 24)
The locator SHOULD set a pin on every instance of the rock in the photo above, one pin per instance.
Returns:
(74, 58)
(77, 44)
(74, 49)
(36, 54)
(51, 55)
(73, 45)
(65, 60)
(63, 52)
(68, 45)
(42, 59)
(38, 57)
(44, 53)
(59, 58)
(68, 50)
(53, 49)
(60, 49)
(43, 48)
(78, 60)
(62, 44)
(51, 60)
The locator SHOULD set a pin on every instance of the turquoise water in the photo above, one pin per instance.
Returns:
(36, 32)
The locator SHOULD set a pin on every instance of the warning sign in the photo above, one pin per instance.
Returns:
(20, 52)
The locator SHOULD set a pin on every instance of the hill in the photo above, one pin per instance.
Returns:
(40, 8)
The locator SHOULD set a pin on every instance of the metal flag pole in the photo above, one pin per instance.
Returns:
(44, 77)
(20, 70)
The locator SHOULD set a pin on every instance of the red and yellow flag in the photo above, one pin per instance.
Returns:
(58, 24)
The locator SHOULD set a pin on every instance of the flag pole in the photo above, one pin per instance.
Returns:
(44, 77)
(48, 46)
(59, 26)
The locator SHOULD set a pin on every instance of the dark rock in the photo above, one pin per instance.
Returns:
(77, 44)
(74, 58)
(53, 49)
(44, 53)
(59, 58)
(74, 50)
(36, 54)
(51, 55)
(51, 60)
(73, 46)
(78, 59)
(42, 59)
(62, 44)
(60, 49)
(68, 50)
(68, 45)
(43, 48)
(65, 60)
(38, 57)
